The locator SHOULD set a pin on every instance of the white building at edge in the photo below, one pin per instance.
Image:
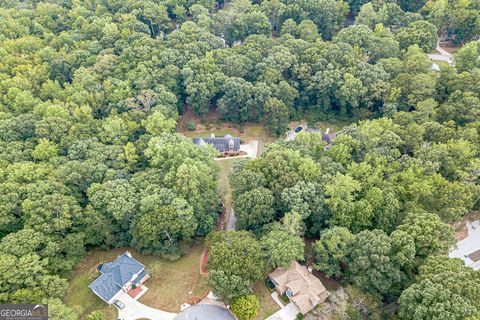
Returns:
(468, 249)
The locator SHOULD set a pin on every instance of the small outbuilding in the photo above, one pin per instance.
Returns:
(304, 290)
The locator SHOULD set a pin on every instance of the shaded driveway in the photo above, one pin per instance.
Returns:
(135, 310)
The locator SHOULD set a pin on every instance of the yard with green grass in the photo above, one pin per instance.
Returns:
(267, 305)
(335, 125)
(81, 298)
(441, 64)
(210, 124)
(169, 285)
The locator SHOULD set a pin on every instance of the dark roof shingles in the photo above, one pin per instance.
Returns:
(221, 144)
(115, 275)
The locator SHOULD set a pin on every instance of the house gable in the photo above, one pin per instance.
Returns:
(304, 289)
(222, 144)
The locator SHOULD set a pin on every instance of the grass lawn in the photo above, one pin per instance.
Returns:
(82, 299)
(335, 125)
(170, 282)
(168, 287)
(267, 305)
(211, 124)
(250, 131)
(441, 63)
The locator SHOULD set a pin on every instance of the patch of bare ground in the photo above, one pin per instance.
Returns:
(460, 227)
(450, 47)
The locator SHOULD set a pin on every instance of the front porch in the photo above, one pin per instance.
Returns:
(137, 292)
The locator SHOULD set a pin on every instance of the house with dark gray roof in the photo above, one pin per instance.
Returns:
(327, 136)
(226, 145)
(120, 275)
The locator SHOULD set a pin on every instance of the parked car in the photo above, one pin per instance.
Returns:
(119, 304)
(298, 129)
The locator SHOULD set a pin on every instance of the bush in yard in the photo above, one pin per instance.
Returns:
(245, 307)
(191, 126)
(96, 315)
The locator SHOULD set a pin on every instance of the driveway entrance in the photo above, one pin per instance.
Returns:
(135, 310)
(289, 312)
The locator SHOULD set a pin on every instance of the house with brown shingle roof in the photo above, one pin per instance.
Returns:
(303, 289)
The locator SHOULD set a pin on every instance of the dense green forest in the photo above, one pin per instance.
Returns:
(91, 92)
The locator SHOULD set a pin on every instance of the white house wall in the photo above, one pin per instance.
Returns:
(468, 245)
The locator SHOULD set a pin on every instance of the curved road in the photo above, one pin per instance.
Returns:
(205, 312)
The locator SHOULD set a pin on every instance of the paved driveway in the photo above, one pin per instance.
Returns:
(443, 55)
(231, 221)
(250, 148)
(135, 310)
(289, 312)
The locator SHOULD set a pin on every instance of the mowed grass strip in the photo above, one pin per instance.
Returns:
(267, 305)
(169, 285)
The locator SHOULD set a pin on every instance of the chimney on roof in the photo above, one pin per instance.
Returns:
(327, 131)
(128, 254)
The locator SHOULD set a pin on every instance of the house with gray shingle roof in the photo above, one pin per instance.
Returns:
(120, 275)
(226, 145)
